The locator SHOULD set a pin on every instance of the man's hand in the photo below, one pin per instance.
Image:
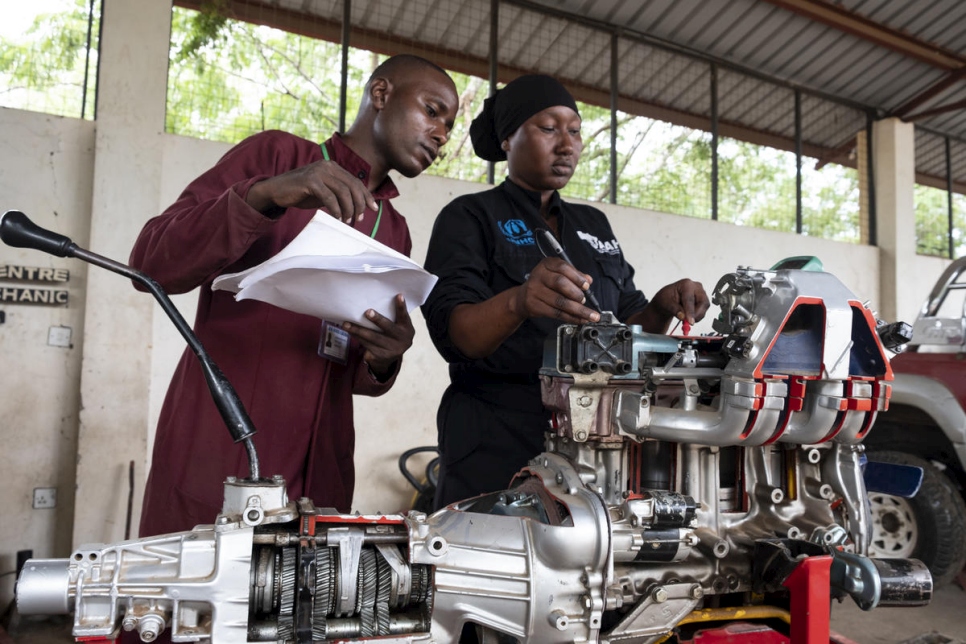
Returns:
(555, 289)
(384, 347)
(323, 184)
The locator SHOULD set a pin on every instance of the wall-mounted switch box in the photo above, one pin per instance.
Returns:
(45, 498)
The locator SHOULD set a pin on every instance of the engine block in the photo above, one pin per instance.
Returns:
(680, 473)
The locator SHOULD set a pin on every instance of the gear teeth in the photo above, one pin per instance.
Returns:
(420, 585)
(324, 592)
(383, 592)
(365, 604)
(286, 607)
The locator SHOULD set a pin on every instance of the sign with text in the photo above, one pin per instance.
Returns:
(34, 274)
(49, 297)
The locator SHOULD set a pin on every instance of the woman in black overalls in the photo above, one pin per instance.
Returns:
(498, 298)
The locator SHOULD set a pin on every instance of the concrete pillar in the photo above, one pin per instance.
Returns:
(117, 330)
(894, 161)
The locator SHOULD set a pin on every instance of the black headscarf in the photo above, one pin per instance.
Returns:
(510, 107)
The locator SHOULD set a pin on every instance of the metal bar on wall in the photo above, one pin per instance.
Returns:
(87, 57)
(97, 72)
(494, 68)
(949, 197)
(344, 83)
(613, 117)
(870, 169)
(798, 162)
(714, 142)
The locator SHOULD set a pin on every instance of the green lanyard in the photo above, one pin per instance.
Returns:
(325, 155)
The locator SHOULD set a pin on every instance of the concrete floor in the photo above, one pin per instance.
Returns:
(943, 621)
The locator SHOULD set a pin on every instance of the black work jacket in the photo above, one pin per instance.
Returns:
(485, 243)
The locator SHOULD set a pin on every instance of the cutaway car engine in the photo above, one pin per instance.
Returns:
(681, 475)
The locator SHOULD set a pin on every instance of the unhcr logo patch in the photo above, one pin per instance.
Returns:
(516, 232)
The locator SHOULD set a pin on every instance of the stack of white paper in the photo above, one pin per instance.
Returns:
(334, 272)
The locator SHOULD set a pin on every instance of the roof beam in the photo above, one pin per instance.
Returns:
(942, 109)
(844, 20)
(940, 182)
(930, 93)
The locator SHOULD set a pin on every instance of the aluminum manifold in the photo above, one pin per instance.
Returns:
(681, 474)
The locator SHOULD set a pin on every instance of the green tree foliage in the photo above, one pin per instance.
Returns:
(592, 179)
(756, 186)
(456, 159)
(959, 224)
(230, 79)
(830, 202)
(668, 168)
(671, 171)
(932, 221)
(43, 69)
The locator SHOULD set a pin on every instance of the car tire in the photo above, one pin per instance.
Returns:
(929, 527)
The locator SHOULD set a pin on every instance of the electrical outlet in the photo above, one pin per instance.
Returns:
(45, 498)
(59, 336)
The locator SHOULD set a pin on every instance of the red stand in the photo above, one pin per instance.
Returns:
(810, 600)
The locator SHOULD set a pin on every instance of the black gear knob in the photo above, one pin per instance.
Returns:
(17, 230)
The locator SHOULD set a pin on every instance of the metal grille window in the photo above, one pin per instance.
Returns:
(228, 79)
(756, 186)
(663, 167)
(591, 181)
(959, 225)
(940, 225)
(456, 159)
(932, 221)
(830, 201)
(260, 66)
(48, 56)
(657, 164)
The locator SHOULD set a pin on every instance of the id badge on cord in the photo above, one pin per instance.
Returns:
(334, 343)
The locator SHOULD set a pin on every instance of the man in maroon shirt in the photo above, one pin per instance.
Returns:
(298, 391)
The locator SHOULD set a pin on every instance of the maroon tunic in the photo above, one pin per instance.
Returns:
(300, 403)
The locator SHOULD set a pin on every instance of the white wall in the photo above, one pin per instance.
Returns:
(45, 171)
(132, 80)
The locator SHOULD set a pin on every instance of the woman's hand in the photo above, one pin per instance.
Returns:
(555, 289)
(685, 300)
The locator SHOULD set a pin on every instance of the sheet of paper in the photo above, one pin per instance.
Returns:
(333, 272)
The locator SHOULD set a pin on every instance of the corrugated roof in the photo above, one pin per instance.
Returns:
(849, 60)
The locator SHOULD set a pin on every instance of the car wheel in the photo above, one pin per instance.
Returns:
(895, 530)
(928, 527)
